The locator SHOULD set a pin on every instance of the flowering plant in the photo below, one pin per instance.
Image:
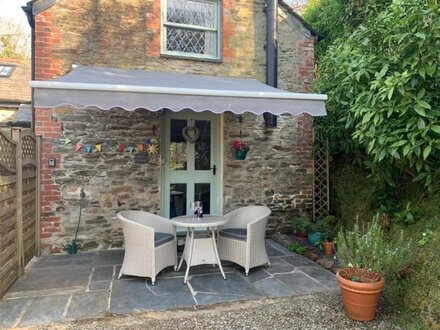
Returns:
(371, 248)
(239, 145)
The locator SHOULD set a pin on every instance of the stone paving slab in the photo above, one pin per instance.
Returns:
(99, 285)
(82, 286)
(86, 305)
(63, 260)
(44, 310)
(49, 280)
(213, 288)
(11, 311)
(300, 283)
(321, 275)
(102, 273)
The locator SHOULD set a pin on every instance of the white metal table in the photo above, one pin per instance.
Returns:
(200, 249)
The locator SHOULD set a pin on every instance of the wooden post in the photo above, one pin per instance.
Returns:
(16, 137)
(38, 196)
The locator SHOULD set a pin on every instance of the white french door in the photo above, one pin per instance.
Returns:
(191, 163)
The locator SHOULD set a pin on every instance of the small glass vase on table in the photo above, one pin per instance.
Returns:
(197, 209)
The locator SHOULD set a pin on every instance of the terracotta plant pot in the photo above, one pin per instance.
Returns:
(300, 235)
(327, 248)
(360, 297)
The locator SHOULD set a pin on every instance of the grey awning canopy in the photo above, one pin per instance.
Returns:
(106, 88)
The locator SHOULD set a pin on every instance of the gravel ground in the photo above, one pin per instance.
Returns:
(320, 311)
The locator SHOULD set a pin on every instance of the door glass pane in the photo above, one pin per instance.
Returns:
(177, 199)
(203, 146)
(177, 145)
(202, 192)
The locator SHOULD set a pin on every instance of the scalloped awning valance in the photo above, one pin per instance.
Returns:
(106, 88)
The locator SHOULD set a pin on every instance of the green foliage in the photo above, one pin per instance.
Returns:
(326, 226)
(382, 81)
(371, 248)
(333, 18)
(14, 42)
(297, 248)
(414, 289)
(352, 193)
(422, 294)
(301, 223)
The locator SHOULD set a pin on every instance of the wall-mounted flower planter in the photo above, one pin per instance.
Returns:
(240, 154)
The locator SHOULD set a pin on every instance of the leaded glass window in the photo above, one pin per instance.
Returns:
(191, 28)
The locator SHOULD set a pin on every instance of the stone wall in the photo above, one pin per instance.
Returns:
(278, 169)
(126, 34)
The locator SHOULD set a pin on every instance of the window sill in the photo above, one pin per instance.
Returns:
(183, 57)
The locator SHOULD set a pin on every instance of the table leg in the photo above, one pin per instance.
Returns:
(184, 252)
(188, 262)
(214, 244)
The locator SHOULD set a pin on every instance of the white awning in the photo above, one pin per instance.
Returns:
(106, 88)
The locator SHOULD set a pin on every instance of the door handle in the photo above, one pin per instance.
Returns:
(214, 169)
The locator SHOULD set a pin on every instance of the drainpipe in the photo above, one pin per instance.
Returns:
(271, 55)
(28, 9)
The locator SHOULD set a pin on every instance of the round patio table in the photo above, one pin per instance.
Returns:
(200, 248)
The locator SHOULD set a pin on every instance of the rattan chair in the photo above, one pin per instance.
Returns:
(150, 244)
(241, 239)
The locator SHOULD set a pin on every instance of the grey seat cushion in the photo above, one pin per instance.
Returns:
(238, 233)
(162, 238)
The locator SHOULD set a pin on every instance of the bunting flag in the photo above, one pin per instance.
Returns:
(149, 145)
(153, 149)
(131, 149)
(121, 147)
(88, 149)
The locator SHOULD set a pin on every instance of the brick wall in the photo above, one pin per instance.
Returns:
(126, 34)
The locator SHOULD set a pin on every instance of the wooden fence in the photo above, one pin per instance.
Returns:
(19, 203)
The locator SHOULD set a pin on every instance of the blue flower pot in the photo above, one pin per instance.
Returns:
(314, 238)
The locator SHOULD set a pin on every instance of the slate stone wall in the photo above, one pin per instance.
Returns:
(126, 34)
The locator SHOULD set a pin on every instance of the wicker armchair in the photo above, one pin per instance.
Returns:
(241, 240)
(150, 244)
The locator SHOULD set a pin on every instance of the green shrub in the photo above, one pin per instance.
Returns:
(371, 248)
(301, 223)
(297, 248)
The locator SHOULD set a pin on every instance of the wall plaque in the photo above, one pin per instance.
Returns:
(141, 158)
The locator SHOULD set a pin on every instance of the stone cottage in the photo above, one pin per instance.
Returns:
(140, 102)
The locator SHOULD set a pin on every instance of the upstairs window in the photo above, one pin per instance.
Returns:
(191, 28)
(6, 70)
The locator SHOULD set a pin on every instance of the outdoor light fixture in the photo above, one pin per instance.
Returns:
(270, 120)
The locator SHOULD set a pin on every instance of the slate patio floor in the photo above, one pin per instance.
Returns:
(85, 285)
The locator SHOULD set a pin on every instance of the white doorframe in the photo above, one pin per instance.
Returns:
(217, 157)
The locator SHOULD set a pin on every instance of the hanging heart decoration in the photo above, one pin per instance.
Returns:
(190, 134)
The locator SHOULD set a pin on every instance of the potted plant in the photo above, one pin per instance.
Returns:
(301, 225)
(367, 258)
(240, 149)
(328, 230)
(314, 236)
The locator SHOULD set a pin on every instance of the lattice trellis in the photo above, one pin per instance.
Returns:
(321, 196)
(7, 152)
(28, 147)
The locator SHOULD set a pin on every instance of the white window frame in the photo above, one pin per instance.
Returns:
(11, 69)
(165, 24)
